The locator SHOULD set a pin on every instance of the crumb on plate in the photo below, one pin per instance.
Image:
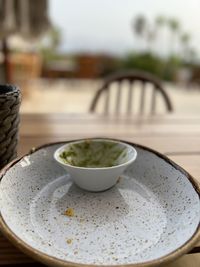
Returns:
(69, 212)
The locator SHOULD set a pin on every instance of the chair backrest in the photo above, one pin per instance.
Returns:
(133, 79)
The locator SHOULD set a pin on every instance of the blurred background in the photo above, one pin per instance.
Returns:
(59, 51)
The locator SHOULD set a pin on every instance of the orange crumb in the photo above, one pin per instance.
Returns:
(69, 212)
(69, 241)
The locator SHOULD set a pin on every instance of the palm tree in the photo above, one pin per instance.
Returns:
(139, 26)
(185, 40)
(193, 56)
(50, 44)
(150, 37)
(55, 36)
(160, 22)
(174, 27)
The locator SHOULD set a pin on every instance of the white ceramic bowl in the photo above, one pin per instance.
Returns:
(95, 164)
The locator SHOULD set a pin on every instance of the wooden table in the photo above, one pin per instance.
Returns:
(176, 136)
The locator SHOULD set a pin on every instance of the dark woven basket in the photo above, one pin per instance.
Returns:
(10, 99)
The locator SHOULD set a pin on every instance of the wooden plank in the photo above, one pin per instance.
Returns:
(9, 254)
(163, 144)
(114, 121)
(45, 128)
(101, 126)
(186, 261)
(164, 119)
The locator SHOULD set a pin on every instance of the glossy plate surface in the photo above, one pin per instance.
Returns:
(152, 211)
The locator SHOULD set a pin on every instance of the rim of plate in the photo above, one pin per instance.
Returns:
(60, 149)
(49, 260)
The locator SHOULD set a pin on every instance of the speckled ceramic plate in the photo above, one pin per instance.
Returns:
(151, 216)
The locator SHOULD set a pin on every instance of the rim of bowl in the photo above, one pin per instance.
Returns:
(58, 151)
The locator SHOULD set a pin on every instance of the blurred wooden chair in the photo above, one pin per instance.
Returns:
(116, 103)
(23, 69)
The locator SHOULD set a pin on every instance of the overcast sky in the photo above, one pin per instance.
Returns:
(105, 25)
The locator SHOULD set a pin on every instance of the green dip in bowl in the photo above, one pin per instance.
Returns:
(95, 164)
